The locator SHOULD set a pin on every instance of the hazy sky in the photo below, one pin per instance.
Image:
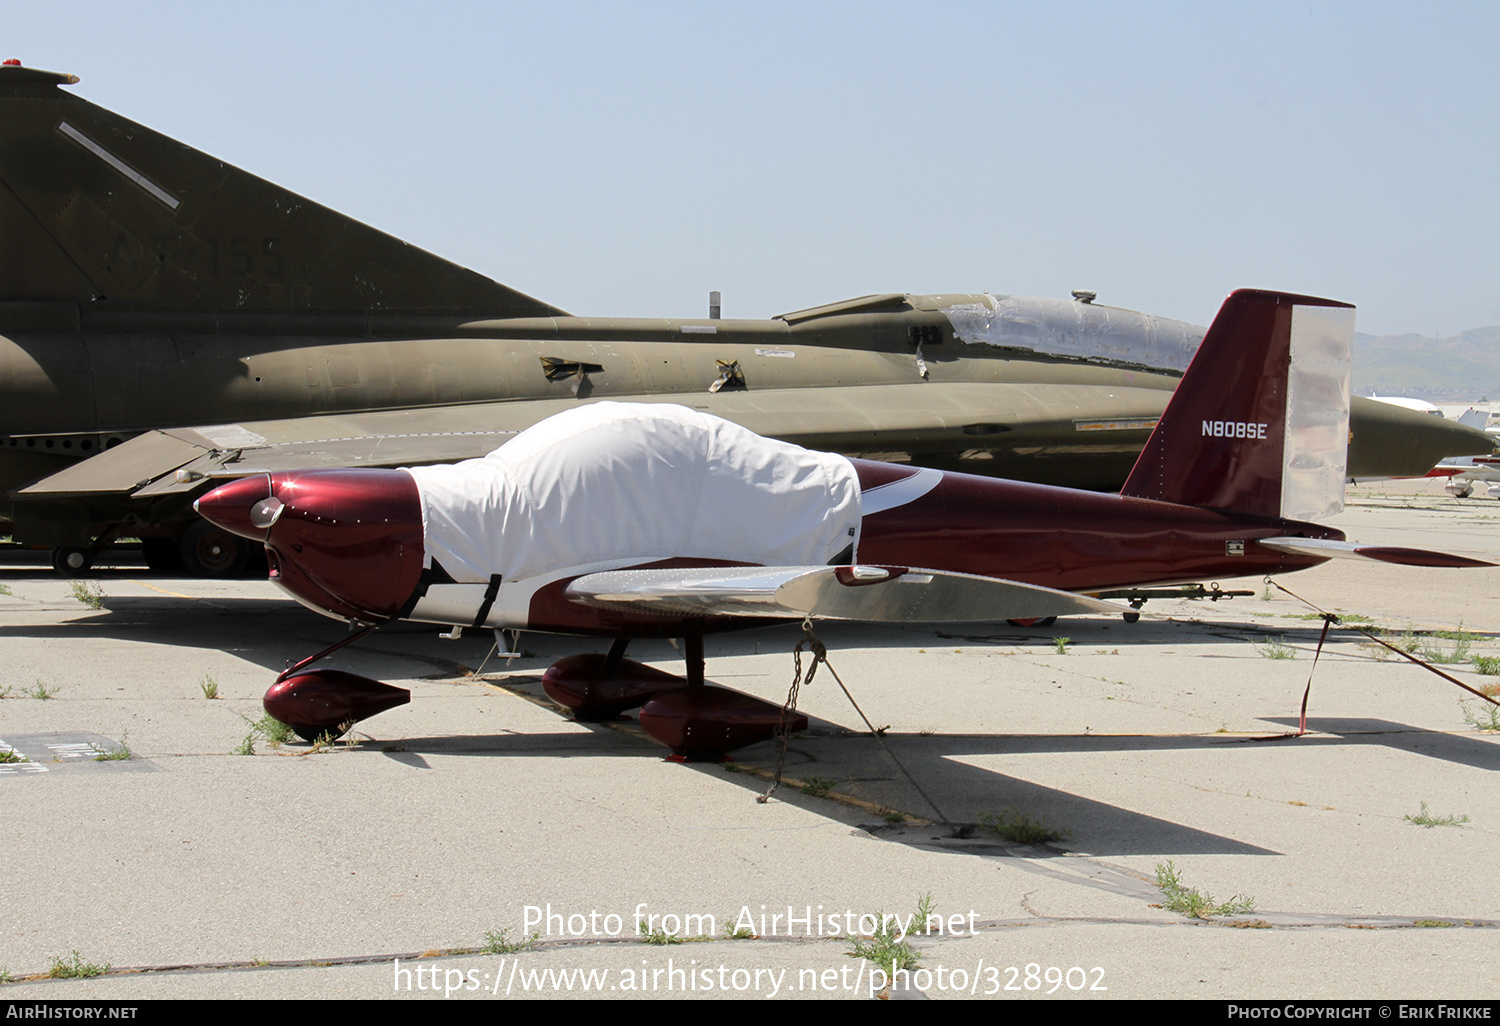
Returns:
(625, 158)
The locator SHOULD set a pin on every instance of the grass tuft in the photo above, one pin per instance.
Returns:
(1486, 718)
(42, 692)
(1195, 904)
(660, 936)
(76, 968)
(1425, 819)
(499, 944)
(89, 593)
(818, 787)
(273, 730)
(210, 687)
(1061, 645)
(1277, 648)
(884, 949)
(1020, 828)
(117, 754)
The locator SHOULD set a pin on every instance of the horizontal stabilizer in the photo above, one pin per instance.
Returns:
(1354, 550)
(876, 593)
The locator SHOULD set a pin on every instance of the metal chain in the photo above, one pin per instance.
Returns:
(819, 651)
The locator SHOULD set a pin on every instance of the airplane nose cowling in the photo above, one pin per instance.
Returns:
(345, 542)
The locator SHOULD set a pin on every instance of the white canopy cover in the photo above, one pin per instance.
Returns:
(626, 483)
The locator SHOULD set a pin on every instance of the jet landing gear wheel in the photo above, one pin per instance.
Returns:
(210, 551)
(71, 562)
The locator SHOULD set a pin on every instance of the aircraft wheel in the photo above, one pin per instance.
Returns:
(1131, 616)
(1462, 492)
(71, 562)
(210, 551)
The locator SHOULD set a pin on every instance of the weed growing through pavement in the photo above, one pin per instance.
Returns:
(1277, 648)
(5, 590)
(42, 692)
(89, 593)
(1061, 644)
(9, 754)
(1425, 819)
(1019, 828)
(1192, 903)
(210, 687)
(273, 730)
(499, 944)
(1407, 641)
(76, 968)
(818, 787)
(1461, 639)
(247, 746)
(660, 936)
(1485, 718)
(117, 754)
(322, 743)
(884, 949)
(1487, 665)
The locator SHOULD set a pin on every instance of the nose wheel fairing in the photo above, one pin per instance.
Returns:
(328, 702)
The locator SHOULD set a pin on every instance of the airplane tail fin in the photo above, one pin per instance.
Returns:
(1475, 418)
(94, 207)
(1260, 421)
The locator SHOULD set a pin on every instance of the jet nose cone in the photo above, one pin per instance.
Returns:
(245, 507)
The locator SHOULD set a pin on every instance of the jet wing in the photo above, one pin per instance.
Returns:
(874, 593)
(975, 421)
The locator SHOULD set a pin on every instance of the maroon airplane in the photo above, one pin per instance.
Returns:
(628, 521)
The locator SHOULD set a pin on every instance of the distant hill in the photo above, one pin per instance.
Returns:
(1462, 368)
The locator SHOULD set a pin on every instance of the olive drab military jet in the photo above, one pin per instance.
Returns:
(168, 321)
(631, 520)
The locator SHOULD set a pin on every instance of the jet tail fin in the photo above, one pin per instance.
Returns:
(95, 207)
(1260, 422)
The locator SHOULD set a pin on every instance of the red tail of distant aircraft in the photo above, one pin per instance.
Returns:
(650, 521)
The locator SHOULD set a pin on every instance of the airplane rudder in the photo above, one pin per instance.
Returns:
(1223, 441)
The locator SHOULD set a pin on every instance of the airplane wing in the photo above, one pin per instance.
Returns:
(988, 424)
(874, 593)
(1081, 436)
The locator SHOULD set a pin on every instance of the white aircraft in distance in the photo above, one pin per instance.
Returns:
(1466, 472)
